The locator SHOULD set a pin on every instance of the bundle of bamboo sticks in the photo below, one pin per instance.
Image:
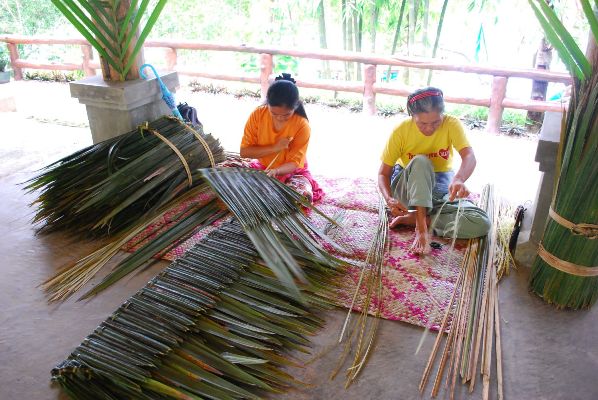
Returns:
(475, 323)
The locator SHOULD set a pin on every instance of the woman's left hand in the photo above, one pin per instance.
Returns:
(457, 190)
(272, 172)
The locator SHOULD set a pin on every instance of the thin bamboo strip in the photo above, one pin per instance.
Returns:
(499, 376)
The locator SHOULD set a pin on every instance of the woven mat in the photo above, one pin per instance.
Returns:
(415, 289)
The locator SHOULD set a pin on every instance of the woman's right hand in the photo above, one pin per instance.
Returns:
(283, 143)
(396, 207)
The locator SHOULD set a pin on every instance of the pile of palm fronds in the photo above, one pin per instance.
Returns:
(565, 272)
(191, 216)
(359, 339)
(214, 324)
(264, 206)
(110, 186)
(475, 320)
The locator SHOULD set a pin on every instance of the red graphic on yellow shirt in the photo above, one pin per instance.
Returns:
(444, 153)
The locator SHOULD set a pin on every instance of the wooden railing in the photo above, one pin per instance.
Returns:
(496, 102)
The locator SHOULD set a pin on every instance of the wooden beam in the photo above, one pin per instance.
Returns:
(266, 68)
(499, 90)
(14, 61)
(50, 66)
(369, 95)
(220, 77)
(87, 51)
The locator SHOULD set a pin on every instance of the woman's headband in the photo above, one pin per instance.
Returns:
(423, 95)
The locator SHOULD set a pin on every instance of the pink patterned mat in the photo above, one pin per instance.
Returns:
(415, 289)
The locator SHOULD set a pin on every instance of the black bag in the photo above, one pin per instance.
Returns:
(189, 114)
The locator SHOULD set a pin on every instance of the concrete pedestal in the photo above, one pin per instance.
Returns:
(546, 154)
(114, 108)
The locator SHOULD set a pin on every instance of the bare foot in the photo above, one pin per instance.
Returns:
(407, 219)
(420, 242)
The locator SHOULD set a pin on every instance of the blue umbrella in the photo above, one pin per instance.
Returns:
(166, 95)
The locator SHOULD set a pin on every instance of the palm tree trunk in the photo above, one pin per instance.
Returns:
(108, 72)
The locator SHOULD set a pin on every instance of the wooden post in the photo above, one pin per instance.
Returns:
(266, 67)
(499, 90)
(171, 58)
(369, 96)
(14, 56)
(87, 56)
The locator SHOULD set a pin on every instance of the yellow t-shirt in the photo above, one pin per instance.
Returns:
(406, 142)
(259, 131)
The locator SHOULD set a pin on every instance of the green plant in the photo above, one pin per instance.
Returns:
(53, 76)
(565, 271)
(3, 60)
(111, 28)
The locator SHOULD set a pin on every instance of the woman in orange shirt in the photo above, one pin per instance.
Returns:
(277, 135)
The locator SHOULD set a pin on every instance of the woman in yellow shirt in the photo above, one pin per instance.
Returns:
(416, 176)
(277, 135)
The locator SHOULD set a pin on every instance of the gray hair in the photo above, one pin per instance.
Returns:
(425, 100)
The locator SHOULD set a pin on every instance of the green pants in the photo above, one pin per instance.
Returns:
(414, 187)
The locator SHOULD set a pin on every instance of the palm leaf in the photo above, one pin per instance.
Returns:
(263, 206)
(169, 340)
(124, 180)
(70, 16)
(591, 16)
(97, 21)
(151, 21)
(561, 39)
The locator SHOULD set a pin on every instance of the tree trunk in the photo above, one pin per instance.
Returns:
(426, 4)
(108, 71)
(411, 39)
(543, 59)
(323, 41)
(437, 40)
(345, 36)
(349, 17)
(374, 27)
(395, 40)
(358, 32)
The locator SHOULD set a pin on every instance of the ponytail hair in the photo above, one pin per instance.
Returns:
(284, 93)
(430, 99)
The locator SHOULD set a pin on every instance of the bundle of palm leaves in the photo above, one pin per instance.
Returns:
(565, 272)
(264, 206)
(108, 187)
(214, 324)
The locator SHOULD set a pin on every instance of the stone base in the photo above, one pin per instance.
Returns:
(548, 145)
(114, 108)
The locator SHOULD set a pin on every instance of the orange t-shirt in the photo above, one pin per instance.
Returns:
(259, 131)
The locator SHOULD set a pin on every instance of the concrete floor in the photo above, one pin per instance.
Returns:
(547, 354)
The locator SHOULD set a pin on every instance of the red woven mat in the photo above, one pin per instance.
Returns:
(415, 289)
